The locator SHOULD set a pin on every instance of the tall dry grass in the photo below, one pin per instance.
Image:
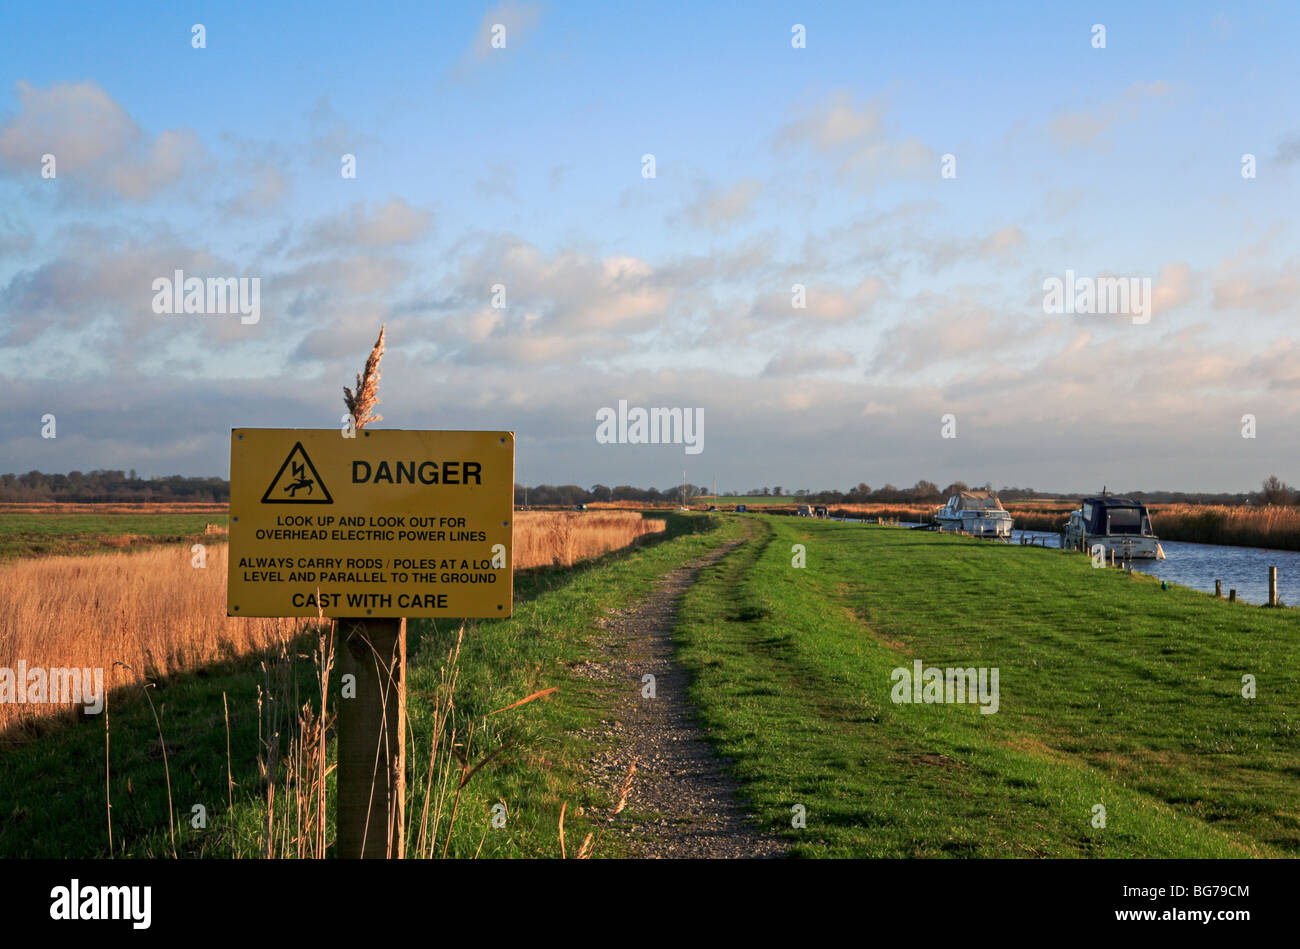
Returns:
(293, 754)
(134, 615)
(1268, 525)
(148, 614)
(547, 538)
(888, 511)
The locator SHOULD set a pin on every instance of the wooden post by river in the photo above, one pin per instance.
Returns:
(1272, 586)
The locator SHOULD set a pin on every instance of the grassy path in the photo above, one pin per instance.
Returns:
(1112, 692)
(680, 800)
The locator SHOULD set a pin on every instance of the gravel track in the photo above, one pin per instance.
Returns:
(681, 802)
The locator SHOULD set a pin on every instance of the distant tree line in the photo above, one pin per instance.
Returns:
(112, 485)
(544, 495)
(105, 485)
(923, 492)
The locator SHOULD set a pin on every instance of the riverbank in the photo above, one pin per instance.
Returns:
(1198, 566)
(1124, 724)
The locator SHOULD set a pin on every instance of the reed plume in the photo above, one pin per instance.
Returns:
(366, 397)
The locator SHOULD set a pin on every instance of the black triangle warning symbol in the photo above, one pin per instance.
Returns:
(297, 482)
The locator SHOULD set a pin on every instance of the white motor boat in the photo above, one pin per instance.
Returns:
(974, 512)
(1115, 524)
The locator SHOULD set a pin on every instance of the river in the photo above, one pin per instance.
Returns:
(1244, 569)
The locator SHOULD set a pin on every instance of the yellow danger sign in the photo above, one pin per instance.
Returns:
(384, 523)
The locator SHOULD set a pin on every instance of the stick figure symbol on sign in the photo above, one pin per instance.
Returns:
(296, 481)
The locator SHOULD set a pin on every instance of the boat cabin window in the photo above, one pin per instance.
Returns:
(1126, 520)
(1087, 512)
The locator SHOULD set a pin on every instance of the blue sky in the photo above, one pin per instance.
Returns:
(774, 166)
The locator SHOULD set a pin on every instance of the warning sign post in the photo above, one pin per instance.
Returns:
(389, 523)
(371, 529)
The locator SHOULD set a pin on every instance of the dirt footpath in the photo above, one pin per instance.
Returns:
(679, 802)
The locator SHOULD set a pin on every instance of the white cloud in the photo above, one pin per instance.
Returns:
(802, 361)
(823, 304)
(1261, 289)
(717, 208)
(834, 123)
(94, 141)
(1086, 127)
(392, 223)
(856, 136)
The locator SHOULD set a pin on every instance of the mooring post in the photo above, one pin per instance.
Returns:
(1272, 586)
(372, 739)
(1218, 589)
(1232, 596)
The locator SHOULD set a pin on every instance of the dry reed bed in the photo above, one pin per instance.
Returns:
(156, 614)
(546, 538)
(901, 512)
(1267, 525)
(151, 611)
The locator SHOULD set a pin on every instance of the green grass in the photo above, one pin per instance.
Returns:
(43, 535)
(1112, 692)
(52, 788)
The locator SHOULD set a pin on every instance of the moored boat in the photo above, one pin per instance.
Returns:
(1115, 524)
(974, 512)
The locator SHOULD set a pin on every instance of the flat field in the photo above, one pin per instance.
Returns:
(1131, 720)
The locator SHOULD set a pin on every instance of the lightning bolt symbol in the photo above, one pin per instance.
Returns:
(298, 469)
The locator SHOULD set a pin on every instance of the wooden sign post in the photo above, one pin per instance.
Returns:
(372, 740)
(371, 529)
